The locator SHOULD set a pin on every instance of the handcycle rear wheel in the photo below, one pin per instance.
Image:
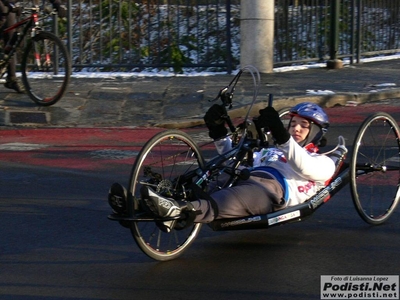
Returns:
(46, 68)
(164, 158)
(375, 168)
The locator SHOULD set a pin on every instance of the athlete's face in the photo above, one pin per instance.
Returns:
(299, 128)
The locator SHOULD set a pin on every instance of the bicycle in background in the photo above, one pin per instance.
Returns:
(45, 63)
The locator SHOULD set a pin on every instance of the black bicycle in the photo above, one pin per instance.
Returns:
(173, 164)
(45, 63)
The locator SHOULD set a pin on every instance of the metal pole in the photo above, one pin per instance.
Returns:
(353, 31)
(228, 37)
(359, 28)
(69, 26)
(334, 62)
(55, 31)
(335, 12)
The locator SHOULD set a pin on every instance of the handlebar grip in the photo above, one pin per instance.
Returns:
(228, 119)
(261, 135)
(270, 100)
(230, 124)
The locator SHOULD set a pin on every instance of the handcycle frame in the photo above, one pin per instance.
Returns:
(240, 154)
(31, 27)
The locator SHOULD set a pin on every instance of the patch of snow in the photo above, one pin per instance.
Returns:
(384, 84)
(158, 73)
(320, 92)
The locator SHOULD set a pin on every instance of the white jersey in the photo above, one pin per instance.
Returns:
(304, 172)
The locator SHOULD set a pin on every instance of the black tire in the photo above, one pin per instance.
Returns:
(375, 168)
(164, 158)
(47, 83)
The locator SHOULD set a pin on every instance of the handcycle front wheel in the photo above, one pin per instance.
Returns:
(375, 168)
(163, 160)
(46, 68)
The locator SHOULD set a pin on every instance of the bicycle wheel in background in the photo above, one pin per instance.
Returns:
(46, 68)
(375, 168)
(162, 165)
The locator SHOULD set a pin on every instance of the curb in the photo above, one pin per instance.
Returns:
(344, 99)
(37, 117)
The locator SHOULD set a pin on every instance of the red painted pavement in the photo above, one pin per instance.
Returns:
(74, 148)
(357, 114)
(78, 136)
(103, 148)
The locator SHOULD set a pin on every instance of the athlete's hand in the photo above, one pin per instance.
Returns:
(215, 121)
(269, 117)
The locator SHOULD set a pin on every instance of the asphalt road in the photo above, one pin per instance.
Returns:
(57, 243)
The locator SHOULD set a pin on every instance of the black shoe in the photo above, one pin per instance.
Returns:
(16, 85)
(117, 198)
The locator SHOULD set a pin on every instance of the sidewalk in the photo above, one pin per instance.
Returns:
(182, 101)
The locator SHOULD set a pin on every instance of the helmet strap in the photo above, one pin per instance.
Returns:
(314, 135)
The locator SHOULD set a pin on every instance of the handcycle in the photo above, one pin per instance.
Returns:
(45, 61)
(173, 164)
